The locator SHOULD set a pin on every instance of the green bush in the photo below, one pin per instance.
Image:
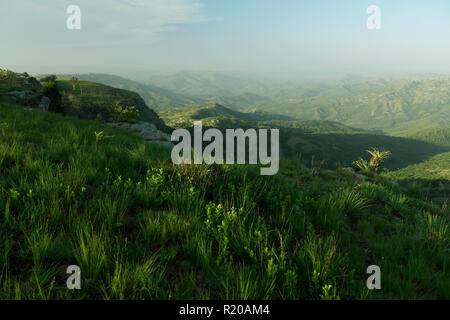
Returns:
(126, 114)
(51, 90)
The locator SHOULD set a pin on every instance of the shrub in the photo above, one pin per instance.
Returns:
(51, 90)
(126, 114)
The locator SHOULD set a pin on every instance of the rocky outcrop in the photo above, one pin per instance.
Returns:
(44, 104)
(30, 99)
(148, 131)
(356, 175)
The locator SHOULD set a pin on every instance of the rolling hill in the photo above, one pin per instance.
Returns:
(156, 98)
(90, 100)
(392, 108)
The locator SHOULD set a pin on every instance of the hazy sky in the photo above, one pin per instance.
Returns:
(280, 37)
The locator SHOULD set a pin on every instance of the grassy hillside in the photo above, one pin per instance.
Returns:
(90, 100)
(318, 142)
(141, 228)
(156, 98)
(430, 178)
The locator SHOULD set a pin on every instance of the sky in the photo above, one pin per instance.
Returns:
(279, 38)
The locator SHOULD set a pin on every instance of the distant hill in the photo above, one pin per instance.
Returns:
(392, 107)
(156, 98)
(208, 83)
(233, 91)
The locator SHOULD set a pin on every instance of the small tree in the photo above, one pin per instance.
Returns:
(74, 81)
(126, 114)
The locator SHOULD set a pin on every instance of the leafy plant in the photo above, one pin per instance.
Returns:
(378, 157)
(126, 114)
(361, 165)
(373, 165)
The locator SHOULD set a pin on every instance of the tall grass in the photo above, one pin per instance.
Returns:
(141, 228)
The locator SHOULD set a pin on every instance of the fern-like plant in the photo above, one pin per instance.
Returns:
(360, 165)
(378, 157)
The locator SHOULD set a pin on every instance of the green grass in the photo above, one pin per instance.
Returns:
(141, 228)
(430, 178)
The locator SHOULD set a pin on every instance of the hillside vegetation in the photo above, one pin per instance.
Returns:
(90, 100)
(156, 98)
(141, 228)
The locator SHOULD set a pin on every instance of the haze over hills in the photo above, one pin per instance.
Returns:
(234, 91)
(208, 83)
